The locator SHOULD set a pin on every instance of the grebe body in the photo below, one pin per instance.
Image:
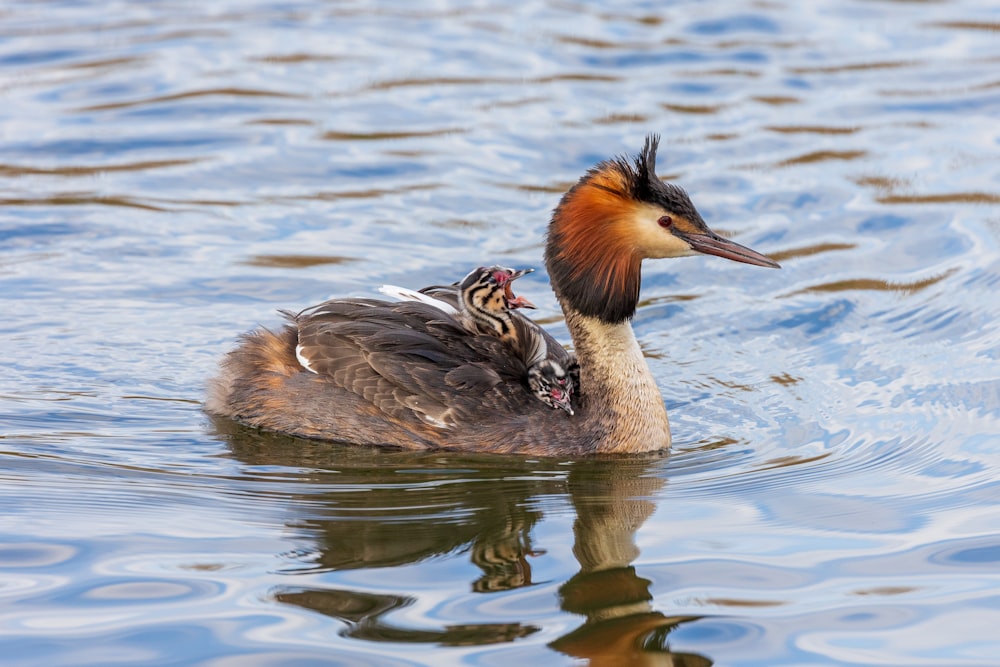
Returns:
(408, 375)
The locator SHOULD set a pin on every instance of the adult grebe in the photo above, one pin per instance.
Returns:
(407, 375)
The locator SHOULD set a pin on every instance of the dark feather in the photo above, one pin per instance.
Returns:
(411, 360)
(473, 377)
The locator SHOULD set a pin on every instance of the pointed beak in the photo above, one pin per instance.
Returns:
(562, 400)
(713, 244)
(565, 405)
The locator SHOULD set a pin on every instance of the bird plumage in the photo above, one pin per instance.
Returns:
(411, 375)
(485, 297)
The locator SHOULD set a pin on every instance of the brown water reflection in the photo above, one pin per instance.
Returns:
(875, 284)
(174, 173)
(821, 156)
(211, 92)
(296, 261)
(13, 170)
(485, 506)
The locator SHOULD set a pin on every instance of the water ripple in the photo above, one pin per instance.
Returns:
(172, 178)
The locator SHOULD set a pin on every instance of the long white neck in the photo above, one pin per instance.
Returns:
(619, 390)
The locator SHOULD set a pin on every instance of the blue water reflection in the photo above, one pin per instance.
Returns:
(172, 174)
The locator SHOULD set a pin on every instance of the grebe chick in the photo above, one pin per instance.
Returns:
(485, 298)
(552, 384)
(486, 294)
(485, 303)
(371, 372)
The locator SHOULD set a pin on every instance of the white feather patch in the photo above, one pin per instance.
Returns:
(434, 422)
(302, 359)
(406, 294)
(538, 349)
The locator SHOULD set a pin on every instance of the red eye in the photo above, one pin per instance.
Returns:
(666, 222)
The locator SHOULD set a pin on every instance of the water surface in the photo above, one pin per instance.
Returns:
(171, 174)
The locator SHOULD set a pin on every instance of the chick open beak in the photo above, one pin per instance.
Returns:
(508, 291)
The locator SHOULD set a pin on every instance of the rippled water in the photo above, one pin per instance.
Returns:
(172, 173)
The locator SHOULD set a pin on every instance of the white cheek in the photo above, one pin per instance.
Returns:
(669, 246)
(653, 241)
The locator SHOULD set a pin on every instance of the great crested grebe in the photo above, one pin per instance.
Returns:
(400, 374)
(553, 373)
(484, 302)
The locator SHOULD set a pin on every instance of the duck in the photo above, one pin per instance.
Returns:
(371, 372)
(484, 301)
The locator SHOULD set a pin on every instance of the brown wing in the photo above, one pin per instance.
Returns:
(411, 361)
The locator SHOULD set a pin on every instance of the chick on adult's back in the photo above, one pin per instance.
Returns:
(405, 374)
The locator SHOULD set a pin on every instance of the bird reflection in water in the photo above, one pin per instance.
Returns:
(486, 506)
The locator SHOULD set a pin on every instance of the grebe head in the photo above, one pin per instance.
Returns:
(551, 384)
(617, 215)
